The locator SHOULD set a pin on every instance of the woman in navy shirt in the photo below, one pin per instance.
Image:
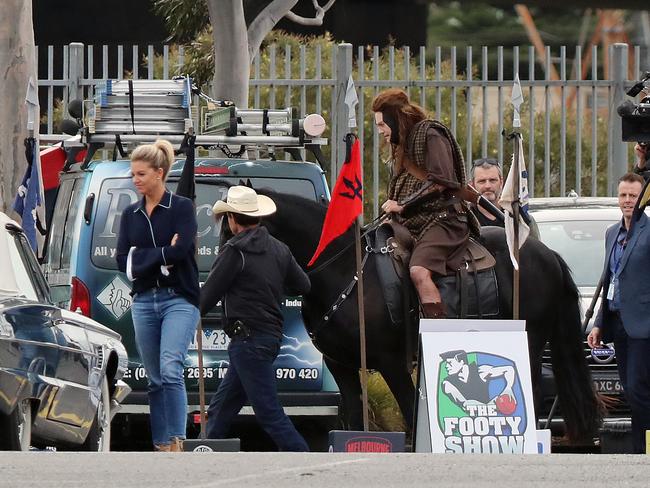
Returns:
(156, 249)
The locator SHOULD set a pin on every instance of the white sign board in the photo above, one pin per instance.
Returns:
(475, 393)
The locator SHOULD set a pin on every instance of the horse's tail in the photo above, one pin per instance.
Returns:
(578, 400)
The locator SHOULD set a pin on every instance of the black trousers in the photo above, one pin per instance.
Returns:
(633, 360)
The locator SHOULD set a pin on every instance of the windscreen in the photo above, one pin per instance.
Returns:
(581, 244)
(118, 193)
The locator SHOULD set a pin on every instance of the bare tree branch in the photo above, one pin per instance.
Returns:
(317, 19)
(265, 21)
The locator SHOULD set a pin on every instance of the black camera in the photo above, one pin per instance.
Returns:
(635, 117)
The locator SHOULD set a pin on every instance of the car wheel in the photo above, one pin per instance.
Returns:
(16, 428)
(99, 435)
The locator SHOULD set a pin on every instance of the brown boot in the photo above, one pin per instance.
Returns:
(176, 445)
(434, 310)
(161, 447)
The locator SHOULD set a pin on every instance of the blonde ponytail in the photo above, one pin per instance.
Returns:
(159, 155)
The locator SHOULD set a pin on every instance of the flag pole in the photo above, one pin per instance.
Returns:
(199, 347)
(351, 100)
(362, 324)
(187, 188)
(515, 212)
(516, 99)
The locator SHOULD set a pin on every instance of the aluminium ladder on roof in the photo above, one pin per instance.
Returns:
(141, 111)
(147, 108)
(141, 107)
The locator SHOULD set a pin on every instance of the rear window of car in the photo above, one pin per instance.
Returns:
(118, 193)
(580, 243)
(26, 271)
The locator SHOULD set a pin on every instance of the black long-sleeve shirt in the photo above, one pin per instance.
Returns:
(252, 273)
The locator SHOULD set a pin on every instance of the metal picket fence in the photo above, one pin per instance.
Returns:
(572, 133)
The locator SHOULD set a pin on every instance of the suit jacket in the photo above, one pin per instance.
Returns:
(633, 272)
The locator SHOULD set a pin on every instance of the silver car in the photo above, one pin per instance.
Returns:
(60, 372)
(575, 228)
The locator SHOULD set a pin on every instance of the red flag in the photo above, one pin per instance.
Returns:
(346, 204)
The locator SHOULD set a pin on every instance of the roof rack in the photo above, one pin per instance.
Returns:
(131, 112)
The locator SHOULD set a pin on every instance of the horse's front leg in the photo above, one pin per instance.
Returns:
(350, 387)
(401, 386)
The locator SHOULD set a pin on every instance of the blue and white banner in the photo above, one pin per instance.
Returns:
(29, 202)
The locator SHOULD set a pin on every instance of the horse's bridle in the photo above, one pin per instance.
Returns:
(345, 293)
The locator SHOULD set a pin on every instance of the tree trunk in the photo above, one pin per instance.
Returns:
(17, 64)
(231, 60)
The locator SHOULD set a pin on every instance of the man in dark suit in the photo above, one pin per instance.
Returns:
(624, 315)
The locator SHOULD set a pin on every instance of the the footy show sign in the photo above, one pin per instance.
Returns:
(474, 388)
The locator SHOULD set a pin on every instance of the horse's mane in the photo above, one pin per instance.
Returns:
(296, 208)
(298, 222)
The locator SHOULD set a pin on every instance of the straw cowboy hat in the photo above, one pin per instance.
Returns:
(245, 201)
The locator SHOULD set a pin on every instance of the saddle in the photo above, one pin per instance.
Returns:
(470, 292)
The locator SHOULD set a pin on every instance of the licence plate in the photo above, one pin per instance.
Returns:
(608, 386)
(213, 340)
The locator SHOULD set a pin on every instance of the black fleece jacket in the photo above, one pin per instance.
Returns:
(252, 273)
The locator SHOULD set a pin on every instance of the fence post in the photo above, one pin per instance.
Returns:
(340, 119)
(617, 148)
(75, 71)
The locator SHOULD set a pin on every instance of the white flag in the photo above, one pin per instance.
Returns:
(508, 196)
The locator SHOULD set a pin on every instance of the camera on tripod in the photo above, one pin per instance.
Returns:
(635, 117)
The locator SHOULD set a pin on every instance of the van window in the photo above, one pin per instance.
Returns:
(118, 193)
(70, 239)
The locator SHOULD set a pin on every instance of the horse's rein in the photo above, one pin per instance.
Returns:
(343, 295)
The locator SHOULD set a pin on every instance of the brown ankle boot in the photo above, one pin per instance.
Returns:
(176, 445)
(434, 310)
(161, 447)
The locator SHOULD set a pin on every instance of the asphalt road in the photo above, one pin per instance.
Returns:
(315, 470)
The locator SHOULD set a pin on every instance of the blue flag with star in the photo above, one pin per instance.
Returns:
(29, 195)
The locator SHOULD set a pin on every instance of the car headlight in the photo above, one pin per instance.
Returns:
(6, 329)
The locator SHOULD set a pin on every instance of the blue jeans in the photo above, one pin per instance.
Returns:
(164, 324)
(251, 376)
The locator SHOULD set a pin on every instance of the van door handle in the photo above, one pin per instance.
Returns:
(88, 208)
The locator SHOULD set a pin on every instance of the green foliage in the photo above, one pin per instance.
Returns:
(550, 186)
(384, 414)
(58, 114)
(195, 59)
(185, 19)
(477, 24)
(288, 57)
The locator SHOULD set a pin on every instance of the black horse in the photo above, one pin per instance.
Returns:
(549, 304)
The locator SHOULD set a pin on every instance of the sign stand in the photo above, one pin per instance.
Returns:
(474, 392)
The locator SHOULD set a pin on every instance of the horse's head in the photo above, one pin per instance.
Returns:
(297, 222)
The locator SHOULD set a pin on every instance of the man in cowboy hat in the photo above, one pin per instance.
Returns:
(249, 276)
